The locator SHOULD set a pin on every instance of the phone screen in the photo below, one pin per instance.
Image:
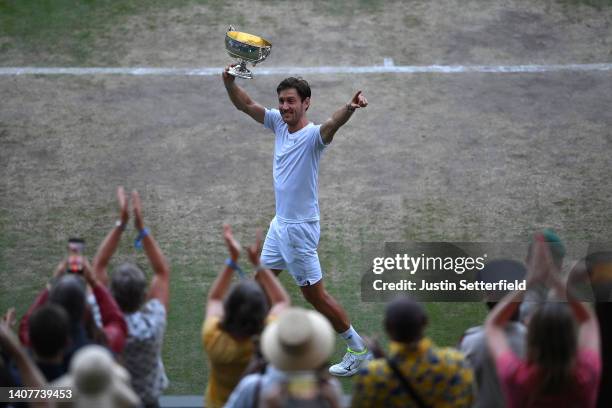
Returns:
(76, 246)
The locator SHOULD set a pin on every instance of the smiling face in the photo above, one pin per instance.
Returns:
(292, 107)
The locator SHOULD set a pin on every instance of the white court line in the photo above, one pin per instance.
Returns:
(387, 68)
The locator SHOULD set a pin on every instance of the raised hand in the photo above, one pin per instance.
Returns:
(541, 268)
(227, 77)
(255, 250)
(358, 101)
(137, 206)
(124, 215)
(9, 317)
(232, 245)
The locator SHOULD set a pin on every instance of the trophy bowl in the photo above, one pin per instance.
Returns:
(245, 48)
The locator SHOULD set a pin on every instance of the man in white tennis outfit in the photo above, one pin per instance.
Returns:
(293, 237)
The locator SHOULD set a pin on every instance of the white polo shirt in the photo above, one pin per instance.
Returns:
(295, 169)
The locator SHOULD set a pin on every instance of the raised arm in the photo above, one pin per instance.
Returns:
(29, 372)
(497, 320)
(588, 327)
(160, 285)
(278, 297)
(111, 242)
(538, 271)
(341, 116)
(241, 100)
(114, 325)
(214, 303)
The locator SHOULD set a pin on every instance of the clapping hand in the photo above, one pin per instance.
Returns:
(255, 250)
(232, 245)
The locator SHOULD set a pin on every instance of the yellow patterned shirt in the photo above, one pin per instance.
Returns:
(439, 376)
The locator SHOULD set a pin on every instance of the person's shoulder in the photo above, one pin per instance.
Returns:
(448, 357)
(273, 115)
(154, 306)
(210, 327)
(375, 368)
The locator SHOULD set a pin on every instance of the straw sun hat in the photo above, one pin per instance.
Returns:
(97, 381)
(299, 340)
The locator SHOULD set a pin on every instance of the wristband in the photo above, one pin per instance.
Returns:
(120, 225)
(230, 262)
(138, 241)
(350, 108)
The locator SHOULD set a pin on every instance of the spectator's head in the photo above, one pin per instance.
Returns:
(498, 270)
(49, 331)
(97, 381)
(245, 309)
(598, 265)
(70, 293)
(551, 344)
(405, 320)
(128, 286)
(555, 245)
(300, 340)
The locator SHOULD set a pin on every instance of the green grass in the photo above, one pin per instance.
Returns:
(65, 31)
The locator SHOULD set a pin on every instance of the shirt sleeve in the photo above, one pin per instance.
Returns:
(507, 366)
(24, 324)
(113, 322)
(588, 368)
(272, 119)
(318, 139)
(209, 331)
(243, 395)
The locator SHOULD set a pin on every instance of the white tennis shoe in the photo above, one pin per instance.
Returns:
(351, 363)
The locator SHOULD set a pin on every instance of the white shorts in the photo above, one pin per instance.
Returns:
(293, 247)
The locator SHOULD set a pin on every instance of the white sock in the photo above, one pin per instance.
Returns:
(353, 340)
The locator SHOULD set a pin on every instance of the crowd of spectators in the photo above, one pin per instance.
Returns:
(101, 337)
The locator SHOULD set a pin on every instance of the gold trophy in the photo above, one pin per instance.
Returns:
(246, 48)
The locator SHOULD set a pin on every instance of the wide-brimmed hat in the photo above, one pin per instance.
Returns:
(299, 340)
(97, 381)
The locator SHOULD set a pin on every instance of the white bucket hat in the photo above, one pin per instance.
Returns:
(97, 381)
(299, 340)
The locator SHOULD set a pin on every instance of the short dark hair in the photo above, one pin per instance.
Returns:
(49, 330)
(299, 84)
(69, 292)
(245, 309)
(128, 286)
(405, 320)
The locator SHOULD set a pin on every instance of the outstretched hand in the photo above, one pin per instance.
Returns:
(358, 101)
(232, 245)
(255, 250)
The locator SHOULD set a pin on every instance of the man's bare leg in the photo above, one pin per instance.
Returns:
(357, 353)
(325, 304)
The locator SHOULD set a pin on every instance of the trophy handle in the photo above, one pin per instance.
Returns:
(231, 28)
(263, 54)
